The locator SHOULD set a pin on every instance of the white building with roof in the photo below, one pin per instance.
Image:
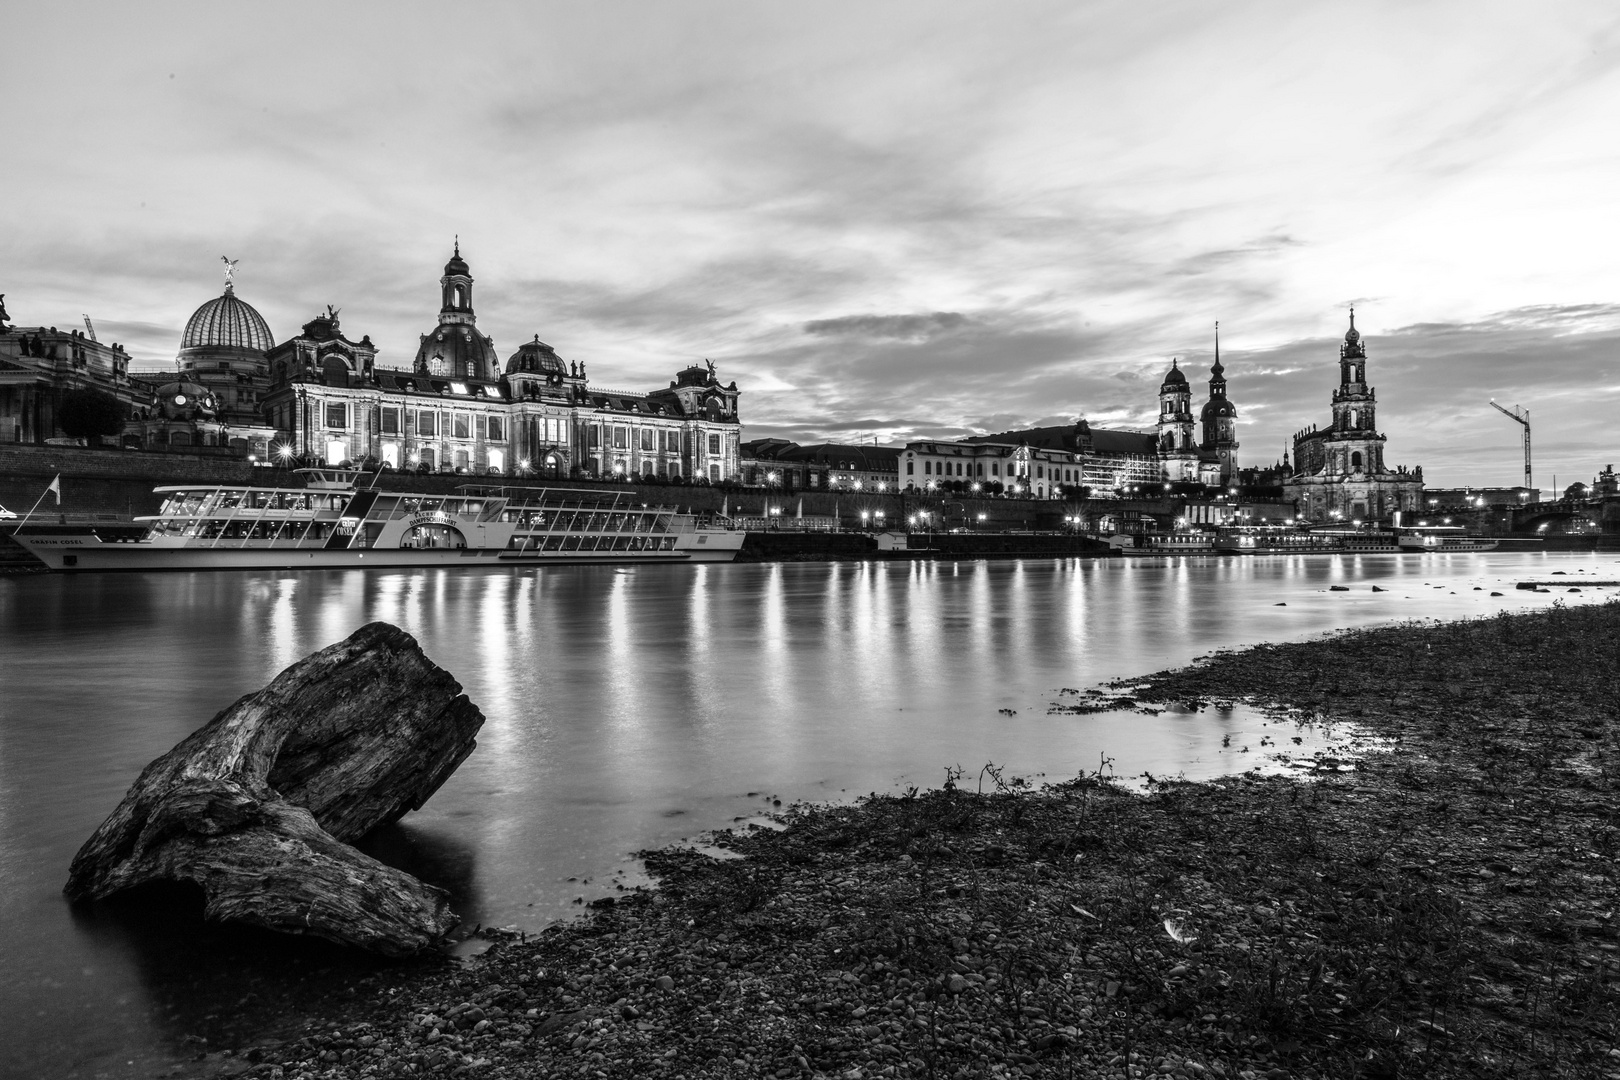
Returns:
(455, 410)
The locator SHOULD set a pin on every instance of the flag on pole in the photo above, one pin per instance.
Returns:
(55, 488)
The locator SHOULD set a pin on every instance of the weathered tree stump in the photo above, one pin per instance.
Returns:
(260, 805)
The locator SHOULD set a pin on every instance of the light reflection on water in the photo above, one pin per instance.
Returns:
(629, 708)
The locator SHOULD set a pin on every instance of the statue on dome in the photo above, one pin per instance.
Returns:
(3, 315)
(230, 270)
(712, 376)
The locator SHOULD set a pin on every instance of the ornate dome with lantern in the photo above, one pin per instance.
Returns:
(223, 348)
(455, 349)
(226, 328)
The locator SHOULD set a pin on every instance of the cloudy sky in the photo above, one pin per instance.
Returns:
(884, 220)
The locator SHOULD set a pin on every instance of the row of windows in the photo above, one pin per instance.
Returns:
(552, 430)
(651, 440)
(944, 468)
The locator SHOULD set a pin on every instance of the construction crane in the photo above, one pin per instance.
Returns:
(1521, 417)
(90, 327)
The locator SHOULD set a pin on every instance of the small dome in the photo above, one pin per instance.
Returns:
(227, 322)
(1174, 377)
(536, 356)
(456, 265)
(186, 400)
(1217, 407)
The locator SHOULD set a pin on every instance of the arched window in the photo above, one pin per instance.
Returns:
(1355, 461)
(457, 297)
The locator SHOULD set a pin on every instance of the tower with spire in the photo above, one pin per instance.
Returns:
(1219, 419)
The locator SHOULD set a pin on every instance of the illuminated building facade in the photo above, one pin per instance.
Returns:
(456, 410)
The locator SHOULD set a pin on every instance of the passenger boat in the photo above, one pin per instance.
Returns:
(1177, 543)
(1294, 540)
(1442, 538)
(331, 522)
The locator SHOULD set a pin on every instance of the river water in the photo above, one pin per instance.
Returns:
(626, 708)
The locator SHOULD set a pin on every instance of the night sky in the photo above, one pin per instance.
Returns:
(883, 220)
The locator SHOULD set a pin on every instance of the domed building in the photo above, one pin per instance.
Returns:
(223, 349)
(456, 410)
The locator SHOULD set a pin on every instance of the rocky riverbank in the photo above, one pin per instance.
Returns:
(1446, 908)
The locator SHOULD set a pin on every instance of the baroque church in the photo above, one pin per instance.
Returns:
(320, 396)
(1338, 472)
(1187, 454)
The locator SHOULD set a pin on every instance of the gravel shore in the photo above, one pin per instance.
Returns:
(1444, 907)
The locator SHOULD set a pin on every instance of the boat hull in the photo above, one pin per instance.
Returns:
(78, 552)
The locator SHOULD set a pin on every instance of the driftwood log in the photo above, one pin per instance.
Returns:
(259, 807)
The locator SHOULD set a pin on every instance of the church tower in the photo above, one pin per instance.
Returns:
(1219, 418)
(455, 349)
(1354, 405)
(457, 288)
(1178, 449)
(1339, 473)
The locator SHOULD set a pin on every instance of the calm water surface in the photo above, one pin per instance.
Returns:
(625, 709)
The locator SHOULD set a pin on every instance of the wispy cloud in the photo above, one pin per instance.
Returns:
(898, 219)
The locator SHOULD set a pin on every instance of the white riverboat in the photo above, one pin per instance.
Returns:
(1442, 538)
(1177, 543)
(332, 522)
